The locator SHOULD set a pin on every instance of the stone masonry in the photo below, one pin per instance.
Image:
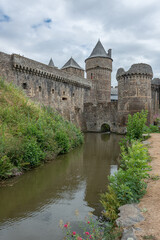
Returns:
(86, 101)
(134, 91)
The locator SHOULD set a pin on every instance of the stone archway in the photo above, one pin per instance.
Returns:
(105, 127)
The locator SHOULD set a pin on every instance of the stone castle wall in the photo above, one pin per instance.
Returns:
(74, 71)
(155, 89)
(86, 102)
(97, 115)
(47, 85)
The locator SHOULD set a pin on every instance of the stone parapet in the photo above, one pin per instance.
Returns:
(23, 64)
(135, 69)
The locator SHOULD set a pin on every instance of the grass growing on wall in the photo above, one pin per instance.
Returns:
(30, 134)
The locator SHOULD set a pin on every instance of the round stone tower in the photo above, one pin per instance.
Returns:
(134, 91)
(98, 69)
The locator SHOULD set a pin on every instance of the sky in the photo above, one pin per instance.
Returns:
(41, 29)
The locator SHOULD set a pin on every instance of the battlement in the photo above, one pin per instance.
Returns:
(23, 64)
(135, 69)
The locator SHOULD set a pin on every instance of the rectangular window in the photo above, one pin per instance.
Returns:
(64, 98)
(24, 85)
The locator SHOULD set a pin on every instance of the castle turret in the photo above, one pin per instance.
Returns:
(72, 67)
(134, 91)
(98, 69)
(51, 63)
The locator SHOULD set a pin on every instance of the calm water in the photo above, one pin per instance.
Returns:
(32, 205)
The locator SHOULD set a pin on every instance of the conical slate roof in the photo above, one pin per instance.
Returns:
(71, 63)
(51, 63)
(99, 51)
(156, 81)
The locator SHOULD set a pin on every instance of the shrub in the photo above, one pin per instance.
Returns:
(127, 185)
(151, 129)
(33, 154)
(5, 167)
(135, 125)
(110, 203)
(128, 182)
(62, 141)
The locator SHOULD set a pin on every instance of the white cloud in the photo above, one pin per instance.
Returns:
(64, 28)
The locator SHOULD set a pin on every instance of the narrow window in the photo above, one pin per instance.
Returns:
(40, 88)
(52, 91)
(73, 94)
(91, 75)
(24, 85)
(64, 98)
(63, 93)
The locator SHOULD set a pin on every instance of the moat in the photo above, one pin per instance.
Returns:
(32, 205)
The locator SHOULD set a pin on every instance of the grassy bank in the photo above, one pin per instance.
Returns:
(30, 134)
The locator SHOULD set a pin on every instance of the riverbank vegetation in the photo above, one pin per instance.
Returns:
(30, 134)
(128, 185)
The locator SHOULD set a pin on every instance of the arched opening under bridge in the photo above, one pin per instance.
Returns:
(105, 127)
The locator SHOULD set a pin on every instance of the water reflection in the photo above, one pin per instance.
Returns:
(36, 201)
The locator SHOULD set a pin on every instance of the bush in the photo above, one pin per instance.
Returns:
(151, 129)
(5, 167)
(110, 203)
(33, 154)
(62, 141)
(135, 125)
(127, 185)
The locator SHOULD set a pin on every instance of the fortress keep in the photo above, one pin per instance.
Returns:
(88, 102)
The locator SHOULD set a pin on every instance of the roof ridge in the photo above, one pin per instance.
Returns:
(71, 63)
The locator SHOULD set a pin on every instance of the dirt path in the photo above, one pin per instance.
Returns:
(150, 204)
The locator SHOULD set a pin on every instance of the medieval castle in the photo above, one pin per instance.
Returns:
(88, 102)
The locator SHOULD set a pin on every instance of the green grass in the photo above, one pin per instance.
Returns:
(30, 134)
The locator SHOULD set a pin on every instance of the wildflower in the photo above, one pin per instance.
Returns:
(66, 225)
(73, 233)
(88, 222)
(87, 233)
(90, 237)
(79, 238)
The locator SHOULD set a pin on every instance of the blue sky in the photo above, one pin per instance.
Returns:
(64, 28)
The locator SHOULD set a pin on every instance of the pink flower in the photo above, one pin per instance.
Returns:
(88, 222)
(79, 238)
(74, 233)
(66, 225)
(87, 233)
(90, 236)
